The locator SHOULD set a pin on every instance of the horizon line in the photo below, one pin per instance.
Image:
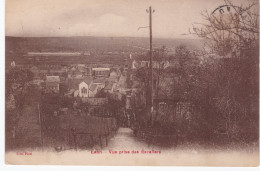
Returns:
(101, 37)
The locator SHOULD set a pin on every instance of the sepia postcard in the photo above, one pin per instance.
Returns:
(132, 82)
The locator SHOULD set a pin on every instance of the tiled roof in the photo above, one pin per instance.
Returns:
(99, 80)
(77, 72)
(113, 70)
(112, 79)
(101, 69)
(34, 68)
(87, 80)
(93, 87)
(108, 86)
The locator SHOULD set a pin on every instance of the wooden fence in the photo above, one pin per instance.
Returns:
(77, 131)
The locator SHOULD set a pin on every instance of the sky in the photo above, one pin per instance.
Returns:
(110, 18)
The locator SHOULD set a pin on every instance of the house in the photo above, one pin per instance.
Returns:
(128, 102)
(56, 70)
(138, 64)
(52, 83)
(100, 72)
(35, 71)
(83, 89)
(110, 87)
(87, 87)
(77, 74)
(80, 84)
(113, 76)
(88, 71)
(13, 64)
(113, 73)
(96, 86)
(81, 67)
(113, 80)
(93, 90)
(73, 69)
(76, 93)
(43, 71)
(121, 84)
(70, 93)
(156, 64)
(73, 83)
(100, 82)
(70, 74)
(37, 82)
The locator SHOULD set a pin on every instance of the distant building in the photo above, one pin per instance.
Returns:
(81, 67)
(144, 63)
(70, 74)
(97, 85)
(35, 71)
(128, 102)
(93, 90)
(77, 74)
(76, 93)
(52, 83)
(84, 88)
(53, 53)
(37, 82)
(113, 73)
(81, 85)
(100, 81)
(56, 70)
(89, 87)
(88, 71)
(43, 71)
(101, 72)
(121, 85)
(110, 87)
(13, 64)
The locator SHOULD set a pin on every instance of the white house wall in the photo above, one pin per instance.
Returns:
(81, 86)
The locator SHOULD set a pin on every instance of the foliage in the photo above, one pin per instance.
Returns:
(228, 32)
(17, 84)
(229, 83)
(115, 103)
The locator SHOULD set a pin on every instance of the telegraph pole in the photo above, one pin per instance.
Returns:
(151, 56)
(151, 53)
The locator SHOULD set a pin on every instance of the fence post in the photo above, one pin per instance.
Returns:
(74, 138)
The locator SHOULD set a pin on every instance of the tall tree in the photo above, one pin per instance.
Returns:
(232, 32)
(17, 84)
(229, 29)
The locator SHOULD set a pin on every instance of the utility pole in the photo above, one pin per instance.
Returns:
(151, 56)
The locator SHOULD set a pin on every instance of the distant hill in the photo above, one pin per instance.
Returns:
(100, 50)
(54, 44)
